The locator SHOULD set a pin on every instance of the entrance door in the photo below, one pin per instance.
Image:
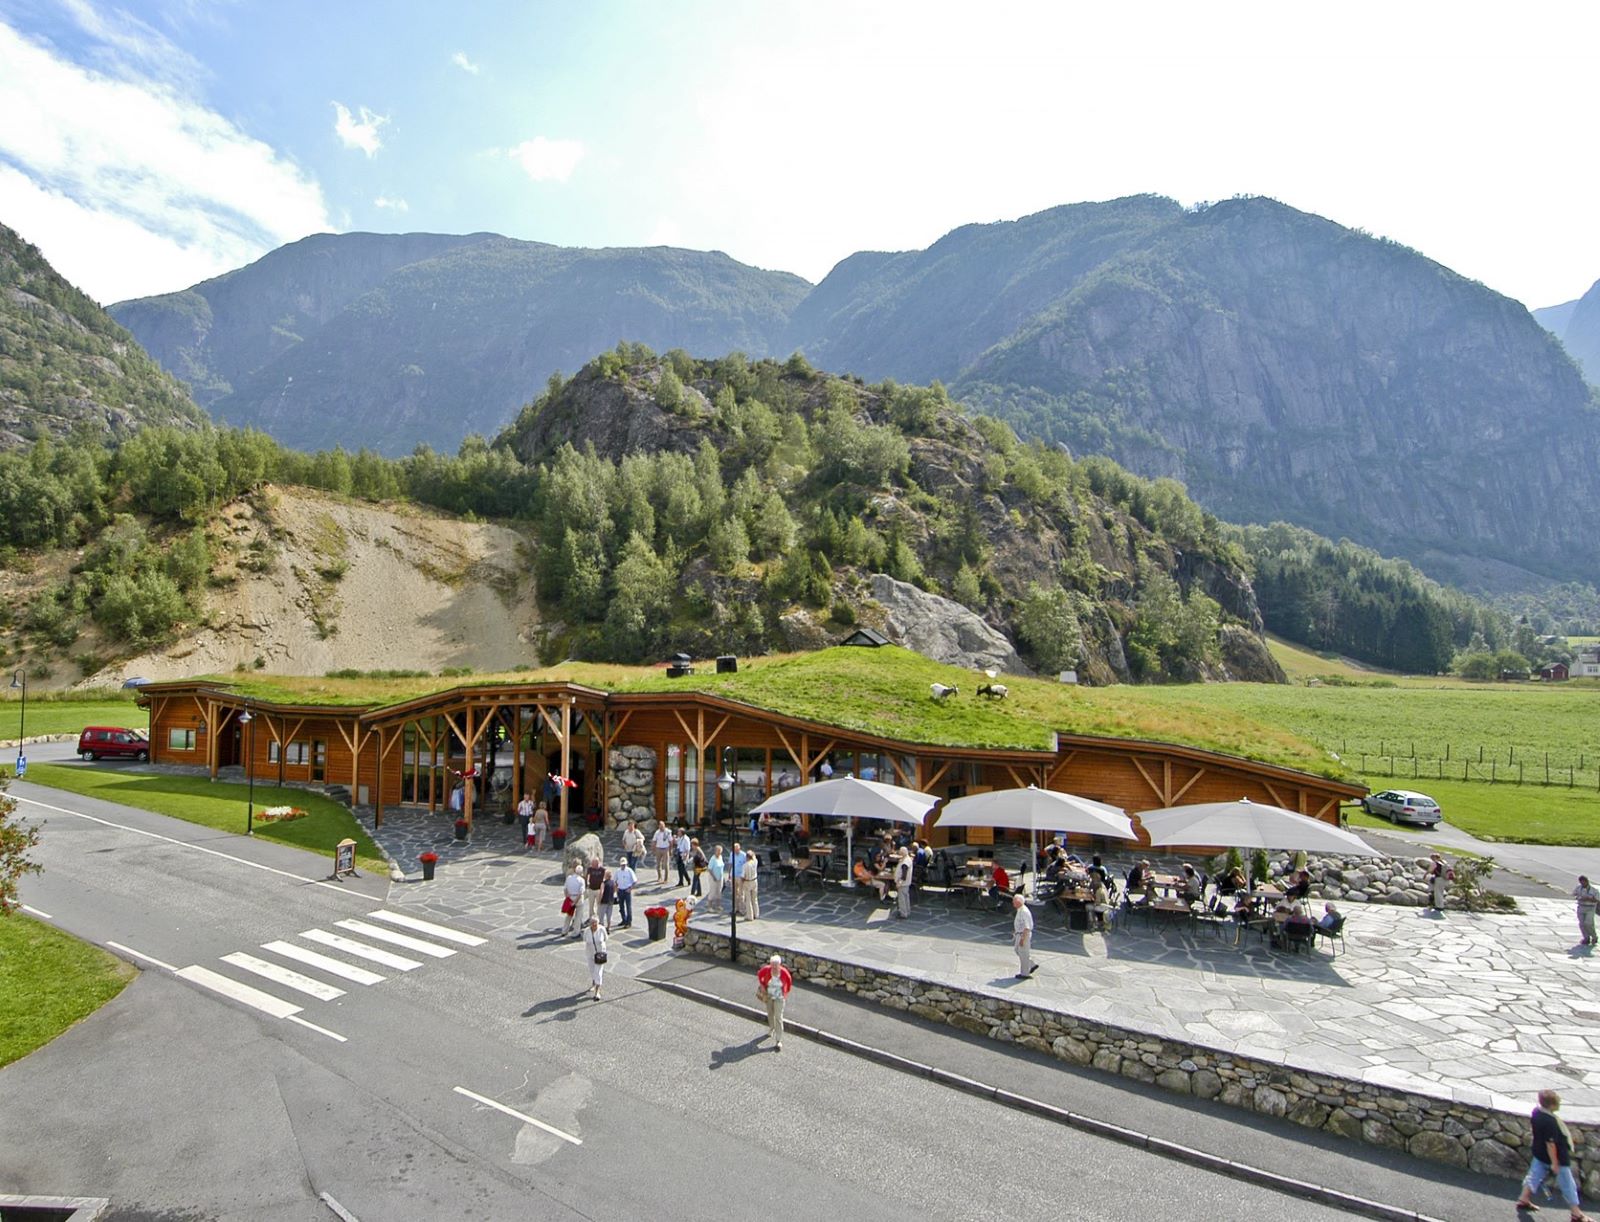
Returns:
(319, 759)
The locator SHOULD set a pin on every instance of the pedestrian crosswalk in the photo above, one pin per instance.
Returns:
(316, 968)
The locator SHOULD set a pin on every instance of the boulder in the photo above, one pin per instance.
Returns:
(943, 630)
(1489, 1157)
(584, 848)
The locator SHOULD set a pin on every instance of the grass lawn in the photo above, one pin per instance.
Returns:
(46, 716)
(220, 805)
(1536, 814)
(48, 981)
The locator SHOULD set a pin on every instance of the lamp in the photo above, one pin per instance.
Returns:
(725, 783)
(247, 718)
(20, 679)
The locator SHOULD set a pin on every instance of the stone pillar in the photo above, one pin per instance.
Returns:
(633, 785)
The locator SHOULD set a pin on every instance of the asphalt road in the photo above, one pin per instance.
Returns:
(181, 1103)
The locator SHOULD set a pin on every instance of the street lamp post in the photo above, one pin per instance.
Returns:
(20, 679)
(726, 782)
(247, 718)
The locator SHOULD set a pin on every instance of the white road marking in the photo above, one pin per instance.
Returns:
(242, 993)
(36, 912)
(333, 967)
(282, 975)
(427, 927)
(343, 1214)
(332, 1035)
(360, 949)
(500, 1107)
(183, 844)
(128, 950)
(396, 939)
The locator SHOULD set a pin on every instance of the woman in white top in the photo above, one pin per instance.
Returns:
(594, 948)
(573, 896)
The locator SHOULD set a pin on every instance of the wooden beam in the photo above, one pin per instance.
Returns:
(1199, 772)
(1148, 779)
(468, 781)
(1166, 782)
(1059, 769)
(566, 761)
(1275, 796)
(1017, 779)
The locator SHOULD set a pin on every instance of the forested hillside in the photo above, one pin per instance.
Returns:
(65, 365)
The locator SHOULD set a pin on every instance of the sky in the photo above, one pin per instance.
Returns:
(147, 146)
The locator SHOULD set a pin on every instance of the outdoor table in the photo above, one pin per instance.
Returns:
(971, 889)
(1168, 909)
(985, 864)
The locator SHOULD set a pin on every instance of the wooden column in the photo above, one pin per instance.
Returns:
(468, 786)
(566, 759)
(433, 767)
(516, 757)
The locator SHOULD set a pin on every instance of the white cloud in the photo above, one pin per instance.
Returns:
(125, 41)
(460, 60)
(667, 232)
(129, 186)
(545, 160)
(392, 203)
(359, 130)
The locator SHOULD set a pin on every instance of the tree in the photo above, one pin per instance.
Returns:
(1049, 628)
(729, 546)
(964, 588)
(16, 838)
(640, 600)
(669, 391)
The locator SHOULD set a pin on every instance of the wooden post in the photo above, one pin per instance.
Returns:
(516, 757)
(433, 768)
(468, 784)
(566, 759)
(377, 786)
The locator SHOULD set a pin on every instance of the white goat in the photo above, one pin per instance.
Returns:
(941, 692)
(995, 691)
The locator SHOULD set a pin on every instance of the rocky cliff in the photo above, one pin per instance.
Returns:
(1577, 325)
(65, 364)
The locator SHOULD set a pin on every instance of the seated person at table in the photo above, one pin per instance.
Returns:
(1193, 885)
(1234, 880)
(1101, 903)
(1136, 876)
(1241, 906)
(1297, 927)
(1330, 917)
(1000, 888)
(1097, 869)
(1300, 888)
(876, 859)
(867, 877)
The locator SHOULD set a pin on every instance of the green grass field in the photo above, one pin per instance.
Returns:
(48, 981)
(220, 805)
(50, 715)
(1535, 814)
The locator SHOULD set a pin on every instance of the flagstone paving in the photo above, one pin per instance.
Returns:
(1489, 1007)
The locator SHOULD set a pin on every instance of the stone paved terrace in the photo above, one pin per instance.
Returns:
(1489, 1007)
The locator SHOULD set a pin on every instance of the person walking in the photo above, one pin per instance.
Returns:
(594, 882)
(736, 878)
(682, 847)
(1552, 1155)
(626, 879)
(608, 896)
(1438, 877)
(698, 865)
(773, 983)
(572, 896)
(541, 828)
(750, 888)
(662, 842)
(594, 949)
(903, 870)
(632, 844)
(716, 873)
(524, 817)
(1022, 937)
(1588, 899)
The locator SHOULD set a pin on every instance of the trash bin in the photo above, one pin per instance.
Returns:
(429, 862)
(558, 837)
(1078, 917)
(658, 925)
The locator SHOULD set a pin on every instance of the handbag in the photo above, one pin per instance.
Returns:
(567, 906)
(599, 956)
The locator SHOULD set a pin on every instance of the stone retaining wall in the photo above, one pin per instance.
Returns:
(1447, 1130)
(632, 791)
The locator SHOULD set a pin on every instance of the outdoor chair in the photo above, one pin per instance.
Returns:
(1330, 933)
(786, 872)
(1298, 935)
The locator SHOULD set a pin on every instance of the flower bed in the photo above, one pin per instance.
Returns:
(280, 814)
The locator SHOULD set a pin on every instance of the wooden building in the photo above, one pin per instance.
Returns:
(487, 744)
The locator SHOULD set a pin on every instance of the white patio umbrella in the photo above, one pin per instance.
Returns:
(1038, 810)
(853, 798)
(1249, 825)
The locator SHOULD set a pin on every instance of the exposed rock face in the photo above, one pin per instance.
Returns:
(1577, 323)
(1245, 657)
(943, 630)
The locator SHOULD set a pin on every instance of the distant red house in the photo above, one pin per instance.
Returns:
(1556, 672)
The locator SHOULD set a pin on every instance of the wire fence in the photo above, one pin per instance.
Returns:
(1490, 764)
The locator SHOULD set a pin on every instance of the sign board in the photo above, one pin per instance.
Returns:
(22, 765)
(344, 858)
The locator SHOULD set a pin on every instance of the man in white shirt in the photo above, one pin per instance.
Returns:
(1022, 937)
(750, 886)
(625, 878)
(736, 877)
(524, 817)
(903, 871)
(632, 844)
(661, 842)
(682, 847)
(1588, 899)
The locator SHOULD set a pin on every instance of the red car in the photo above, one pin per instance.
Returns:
(113, 742)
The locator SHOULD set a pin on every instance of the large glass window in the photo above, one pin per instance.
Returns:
(180, 740)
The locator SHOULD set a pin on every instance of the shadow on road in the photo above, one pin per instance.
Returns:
(735, 1053)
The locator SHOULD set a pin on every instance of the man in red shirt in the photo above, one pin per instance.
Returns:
(773, 983)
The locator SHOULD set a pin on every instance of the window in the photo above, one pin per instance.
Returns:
(272, 752)
(180, 740)
(299, 753)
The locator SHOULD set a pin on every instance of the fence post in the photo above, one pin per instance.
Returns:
(1519, 772)
(1447, 756)
(1494, 765)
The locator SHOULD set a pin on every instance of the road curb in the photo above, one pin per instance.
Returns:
(1159, 1146)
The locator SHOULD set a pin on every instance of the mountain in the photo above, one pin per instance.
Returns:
(389, 341)
(1577, 325)
(1280, 365)
(65, 364)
